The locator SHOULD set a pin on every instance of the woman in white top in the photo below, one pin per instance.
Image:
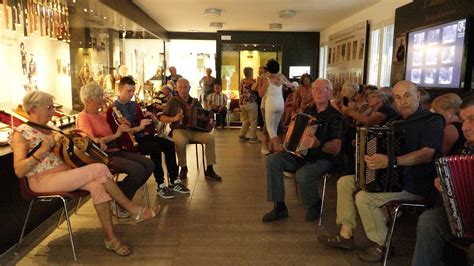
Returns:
(274, 103)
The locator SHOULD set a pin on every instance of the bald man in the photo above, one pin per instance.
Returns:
(423, 134)
(182, 135)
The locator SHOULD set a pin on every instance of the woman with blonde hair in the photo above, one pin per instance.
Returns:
(34, 159)
(448, 106)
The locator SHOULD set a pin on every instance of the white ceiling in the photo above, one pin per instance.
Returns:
(250, 15)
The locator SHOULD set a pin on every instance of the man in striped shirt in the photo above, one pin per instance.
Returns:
(218, 104)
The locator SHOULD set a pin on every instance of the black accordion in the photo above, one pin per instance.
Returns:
(457, 181)
(197, 118)
(296, 140)
(383, 140)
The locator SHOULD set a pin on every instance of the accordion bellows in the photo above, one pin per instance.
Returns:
(457, 181)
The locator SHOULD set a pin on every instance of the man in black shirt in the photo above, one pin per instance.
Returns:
(423, 134)
(326, 145)
(433, 226)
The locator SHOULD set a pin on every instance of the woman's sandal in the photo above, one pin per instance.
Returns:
(117, 246)
(142, 213)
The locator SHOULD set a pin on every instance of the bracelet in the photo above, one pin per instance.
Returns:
(34, 157)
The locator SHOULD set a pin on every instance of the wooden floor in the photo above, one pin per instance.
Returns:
(218, 224)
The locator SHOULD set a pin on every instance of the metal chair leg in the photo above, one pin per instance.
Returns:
(203, 158)
(197, 156)
(69, 228)
(388, 242)
(147, 196)
(24, 225)
(60, 219)
(323, 196)
(77, 205)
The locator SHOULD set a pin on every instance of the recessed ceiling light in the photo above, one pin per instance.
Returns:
(85, 9)
(212, 12)
(287, 13)
(275, 26)
(217, 25)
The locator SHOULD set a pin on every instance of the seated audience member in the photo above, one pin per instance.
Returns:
(361, 98)
(144, 132)
(433, 226)
(289, 108)
(423, 130)
(94, 123)
(217, 102)
(182, 135)
(379, 114)
(326, 145)
(34, 159)
(349, 90)
(303, 97)
(448, 105)
(162, 97)
(336, 91)
(425, 99)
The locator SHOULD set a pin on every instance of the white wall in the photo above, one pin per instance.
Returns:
(382, 13)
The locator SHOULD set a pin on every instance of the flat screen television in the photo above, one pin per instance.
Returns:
(435, 55)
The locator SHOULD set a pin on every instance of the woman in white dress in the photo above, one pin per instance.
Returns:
(274, 103)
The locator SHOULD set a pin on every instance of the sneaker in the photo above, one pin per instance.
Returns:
(254, 141)
(274, 215)
(212, 175)
(313, 212)
(372, 254)
(243, 138)
(179, 187)
(118, 211)
(165, 192)
(264, 150)
(183, 174)
(337, 241)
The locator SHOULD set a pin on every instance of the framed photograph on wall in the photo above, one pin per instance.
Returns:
(350, 49)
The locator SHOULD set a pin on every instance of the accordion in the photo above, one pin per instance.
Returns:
(197, 118)
(77, 149)
(384, 140)
(457, 181)
(297, 140)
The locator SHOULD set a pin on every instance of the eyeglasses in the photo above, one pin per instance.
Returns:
(48, 107)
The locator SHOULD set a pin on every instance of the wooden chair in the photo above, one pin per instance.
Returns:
(32, 196)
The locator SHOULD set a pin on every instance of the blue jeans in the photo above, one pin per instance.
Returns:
(305, 175)
(432, 233)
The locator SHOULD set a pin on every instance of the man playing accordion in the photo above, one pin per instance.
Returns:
(423, 132)
(325, 147)
(433, 225)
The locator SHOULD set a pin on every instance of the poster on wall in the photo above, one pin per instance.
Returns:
(347, 53)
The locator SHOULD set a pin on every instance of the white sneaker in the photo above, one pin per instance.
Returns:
(264, 150)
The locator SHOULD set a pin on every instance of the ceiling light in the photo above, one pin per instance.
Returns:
(287, 13)
(212, 12)
(275, 26)
(217, 25)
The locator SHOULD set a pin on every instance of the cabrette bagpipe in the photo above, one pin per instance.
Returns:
(75, 148)
(195, 117)
(457, 181)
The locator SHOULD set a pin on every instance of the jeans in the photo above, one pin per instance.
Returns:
(137, 167)
(432, 233)
(220, 116)
(305, 175)
(154, 146)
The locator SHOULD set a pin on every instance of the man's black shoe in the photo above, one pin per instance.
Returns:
(275, 215)
(212, 175)
(371, 254)
(313, 212)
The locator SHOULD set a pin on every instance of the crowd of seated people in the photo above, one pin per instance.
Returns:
(432, 128)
